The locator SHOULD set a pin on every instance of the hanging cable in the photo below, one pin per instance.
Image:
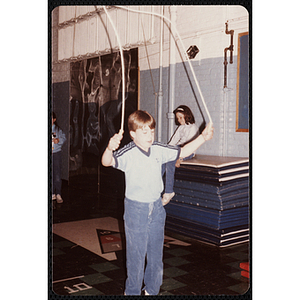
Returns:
(154, 90)
(148, 56)
(74, 34)
(182, 45)
(123, 71)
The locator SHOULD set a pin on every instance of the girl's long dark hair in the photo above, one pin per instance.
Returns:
(188, 115)
(55, 123)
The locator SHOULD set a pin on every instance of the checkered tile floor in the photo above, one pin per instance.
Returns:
(197, 269)
(190, 267)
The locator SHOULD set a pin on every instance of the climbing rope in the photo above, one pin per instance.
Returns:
(122, 59)
(123, 70)
(182, 45)
(153, 85)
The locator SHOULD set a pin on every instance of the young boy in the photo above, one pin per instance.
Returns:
(141, 161)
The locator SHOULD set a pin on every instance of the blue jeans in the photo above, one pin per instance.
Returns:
(169, 169)
(56, 173)
(144, 230)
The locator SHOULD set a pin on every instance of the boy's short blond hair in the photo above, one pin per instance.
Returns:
(139, 119)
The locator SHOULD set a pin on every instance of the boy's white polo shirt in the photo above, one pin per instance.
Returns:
(143, 178)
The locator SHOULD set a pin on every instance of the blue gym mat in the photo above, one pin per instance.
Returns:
(211, 201)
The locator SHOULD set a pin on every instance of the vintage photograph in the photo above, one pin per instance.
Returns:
(149, 150)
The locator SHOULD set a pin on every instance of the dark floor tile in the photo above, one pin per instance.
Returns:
(176, 261)
(171, 284)
(96, 278)
(112, 287)
(174, 272)
(117, 274)
(187, 290)
(60, 272)
(192, 279)
(242, 256)
(104, 267)
(240, 288)
(91, 291)
(178, 252)
(56, 252)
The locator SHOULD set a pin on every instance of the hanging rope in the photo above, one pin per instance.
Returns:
(154, 90)
(182, 45)
(145, 43)
(123, 70)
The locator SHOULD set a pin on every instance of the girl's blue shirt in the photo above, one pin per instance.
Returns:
(60, 135)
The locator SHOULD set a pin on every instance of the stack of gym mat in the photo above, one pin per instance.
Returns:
(211, 201)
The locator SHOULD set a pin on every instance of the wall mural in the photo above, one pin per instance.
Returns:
(96, 102)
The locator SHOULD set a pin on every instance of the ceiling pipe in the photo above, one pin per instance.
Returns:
(160, 91)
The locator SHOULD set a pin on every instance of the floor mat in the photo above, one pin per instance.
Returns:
(110, 241)
(84, 233)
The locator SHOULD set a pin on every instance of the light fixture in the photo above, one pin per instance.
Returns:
(192, 51)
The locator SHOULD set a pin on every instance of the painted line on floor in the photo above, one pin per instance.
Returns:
(62, 280)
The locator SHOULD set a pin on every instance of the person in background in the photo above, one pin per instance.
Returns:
(185, 132)
(58, 138)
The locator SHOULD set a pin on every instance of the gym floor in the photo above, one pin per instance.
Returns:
(79, 267)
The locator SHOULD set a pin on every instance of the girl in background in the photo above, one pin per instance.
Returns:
(185, 132)
(58, 138)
